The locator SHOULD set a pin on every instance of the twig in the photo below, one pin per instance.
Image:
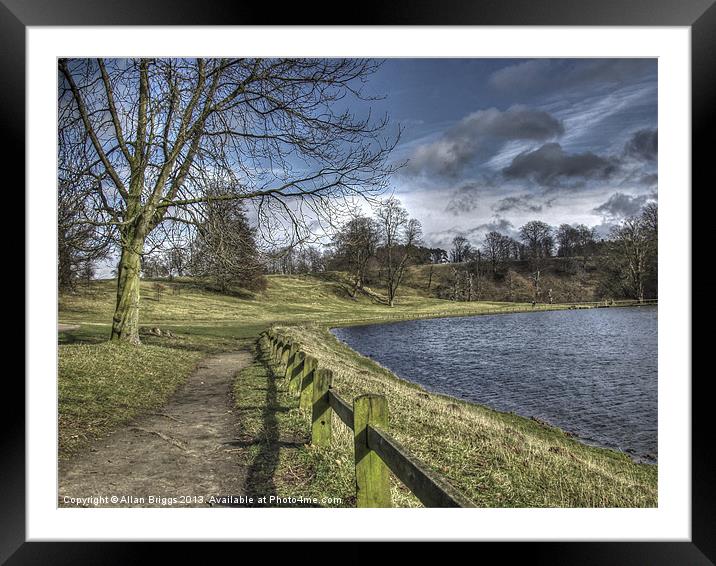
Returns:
(163, 437)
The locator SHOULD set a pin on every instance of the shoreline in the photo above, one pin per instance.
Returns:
(499, 460)
(483, 452)
(636, 458)
(506, 310)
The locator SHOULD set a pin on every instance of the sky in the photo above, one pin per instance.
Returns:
(494, 143)
(490, 144)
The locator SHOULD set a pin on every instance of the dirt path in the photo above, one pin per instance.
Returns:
(184, 451)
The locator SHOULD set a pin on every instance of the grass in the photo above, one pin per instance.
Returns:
(101, 386)
(496, 459)
(499, 460)
(187, 306)
(281, 461)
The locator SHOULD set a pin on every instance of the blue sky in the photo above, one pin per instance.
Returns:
(494, 143)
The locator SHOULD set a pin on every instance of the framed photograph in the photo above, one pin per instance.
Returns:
(395, 281)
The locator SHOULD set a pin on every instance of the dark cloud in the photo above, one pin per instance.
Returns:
(649, 180)
(496, 225)
(548, 76)
(479, 136)
(475, 234)
(550, 165)
(643, 145)
(523, 202)
(464, 199)
(620, 205)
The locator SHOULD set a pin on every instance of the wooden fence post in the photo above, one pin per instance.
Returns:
(285, 353)
(292, 359)
(277, 352)
(372, 479)
(309, 370)
(294, 383)
(321, 417)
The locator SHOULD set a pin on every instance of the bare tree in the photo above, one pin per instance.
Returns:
(159, 132)
(355, 244)
(399, 236)
(497, 249)
(154, 266)
(310, 260)
(650, 218)
(79, 246)
(576, 240)
(460, 250)
(178, 259)
(475, 275)
(537, 237)
(633, 249)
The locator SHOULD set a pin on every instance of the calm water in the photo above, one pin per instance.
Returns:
(591, 372)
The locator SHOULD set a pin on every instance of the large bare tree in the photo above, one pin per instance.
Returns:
(633, 245)
(158, 133)
(400, 235)
(461, 249)
(538, 238)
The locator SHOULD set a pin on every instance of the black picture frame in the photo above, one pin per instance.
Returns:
(699, 15)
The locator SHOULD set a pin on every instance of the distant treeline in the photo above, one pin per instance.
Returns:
(385, 250)
(622, 265)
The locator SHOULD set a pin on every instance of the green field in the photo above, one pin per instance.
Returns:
(496, 459)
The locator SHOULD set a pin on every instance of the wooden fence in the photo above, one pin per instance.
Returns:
(376, 451)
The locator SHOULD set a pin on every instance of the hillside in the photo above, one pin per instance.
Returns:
(188, 307)
(570, 280)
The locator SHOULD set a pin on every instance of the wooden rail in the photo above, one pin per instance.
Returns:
(342, 409)
(376, 452)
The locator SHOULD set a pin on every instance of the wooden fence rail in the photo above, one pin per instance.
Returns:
(376, 451)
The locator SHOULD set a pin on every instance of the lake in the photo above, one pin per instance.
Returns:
(592, 372)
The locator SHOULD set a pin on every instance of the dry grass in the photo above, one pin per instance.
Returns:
(281, 461)
(496, 459)
(499, 460)
(288, 299)
(104, 385)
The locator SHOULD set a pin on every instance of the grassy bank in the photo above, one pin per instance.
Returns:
(496, 459)
(101, 386)
(191, 309)
(280, 460)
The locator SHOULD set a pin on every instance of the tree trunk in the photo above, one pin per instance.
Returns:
(640, 289)
(125, 322)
